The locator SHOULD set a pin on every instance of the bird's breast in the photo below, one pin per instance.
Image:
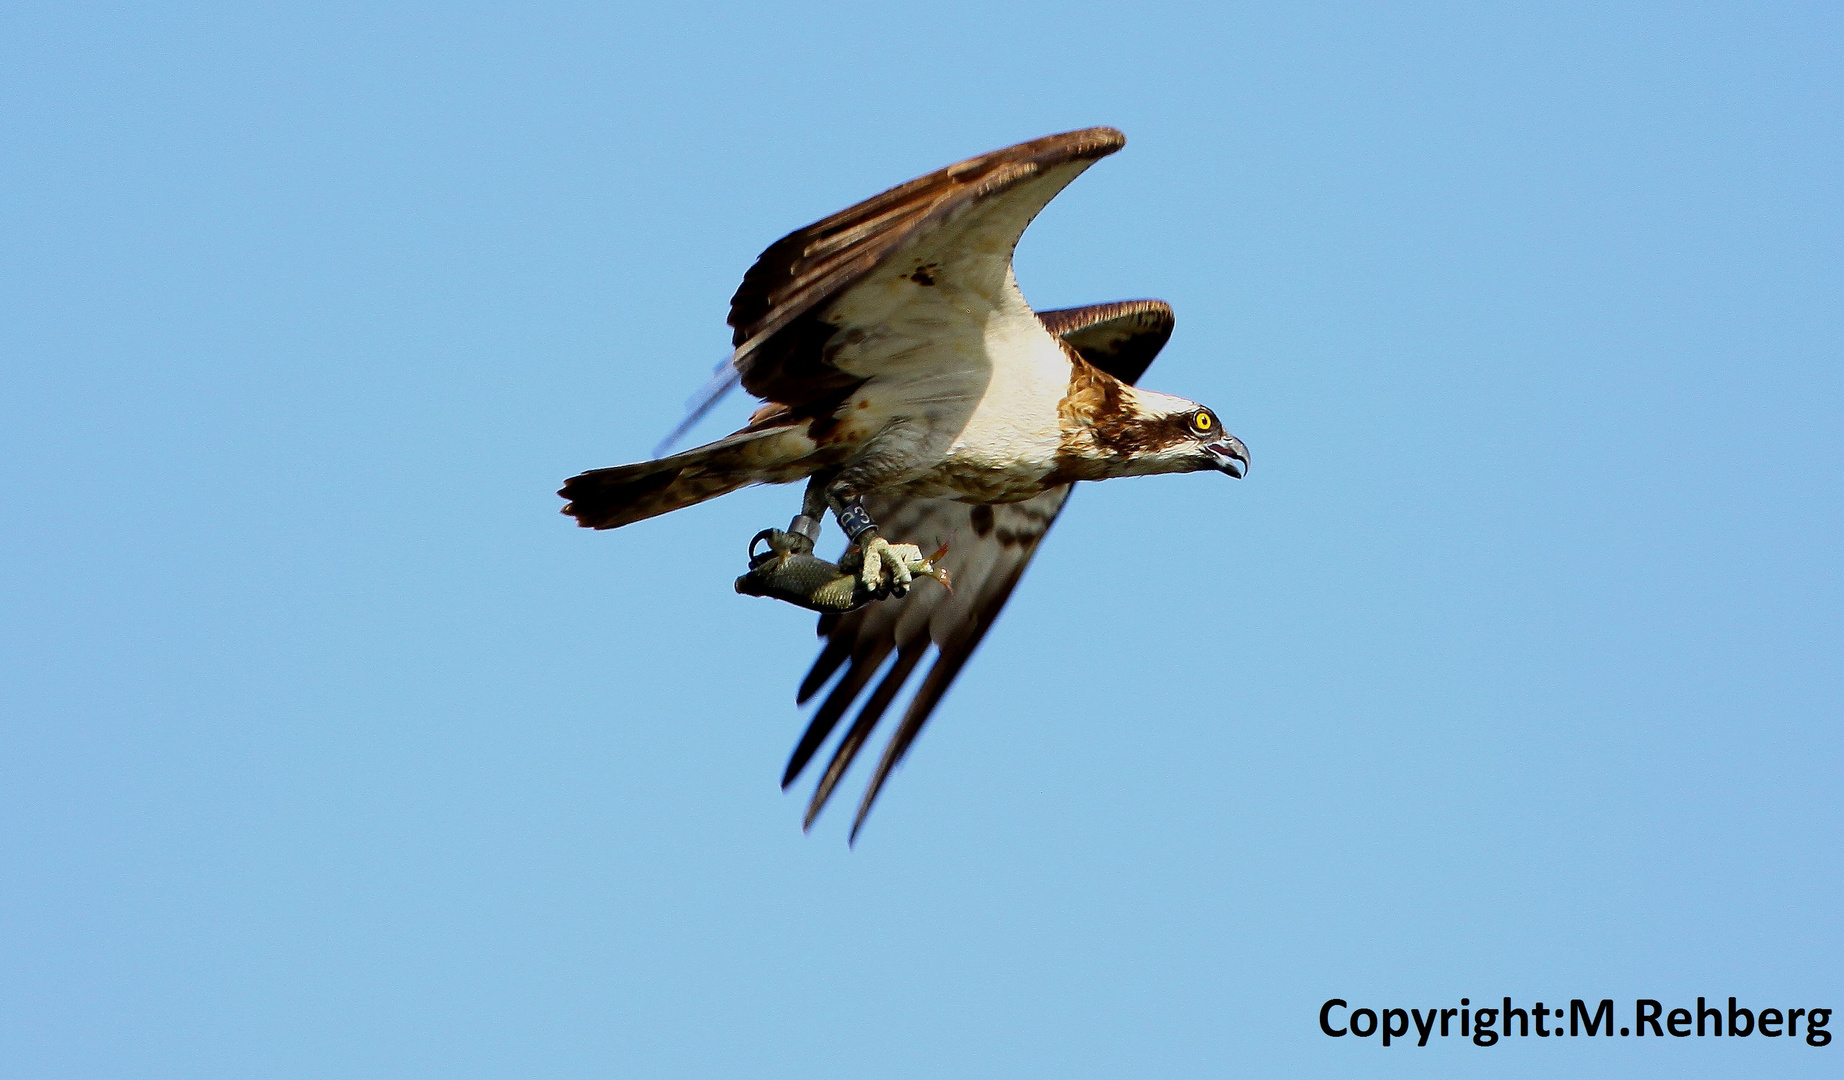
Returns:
(1008, 445)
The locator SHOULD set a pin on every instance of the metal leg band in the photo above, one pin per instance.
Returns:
(802, 525)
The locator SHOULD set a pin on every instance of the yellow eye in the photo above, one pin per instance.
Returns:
(1202, 422)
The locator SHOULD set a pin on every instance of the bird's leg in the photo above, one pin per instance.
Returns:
(787, 569)
(887, 460)
(804, 531)
(806, 524)
(887, 568)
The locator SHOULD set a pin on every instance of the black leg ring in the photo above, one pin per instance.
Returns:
(855, 520)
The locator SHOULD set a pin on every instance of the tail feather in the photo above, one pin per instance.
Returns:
(611, 498)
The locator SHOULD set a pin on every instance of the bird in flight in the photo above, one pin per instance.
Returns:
(907, 381)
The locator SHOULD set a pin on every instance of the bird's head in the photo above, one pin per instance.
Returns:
(1166, 434)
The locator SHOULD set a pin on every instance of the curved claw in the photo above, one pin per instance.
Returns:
(931, 568)
(781, 545)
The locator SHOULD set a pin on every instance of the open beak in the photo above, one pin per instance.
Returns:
(1231, 456)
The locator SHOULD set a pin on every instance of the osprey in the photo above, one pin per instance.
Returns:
(905, 378)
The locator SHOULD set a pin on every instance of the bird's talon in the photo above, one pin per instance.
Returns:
(889, 569)
(780, 545)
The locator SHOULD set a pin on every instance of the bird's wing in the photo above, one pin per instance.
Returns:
(988, 550)
(723, 380)
(1119, 338)
(924, 266)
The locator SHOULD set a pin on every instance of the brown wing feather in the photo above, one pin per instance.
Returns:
(781, 343)
(1119, 338)
(963, 637)
(990, 548)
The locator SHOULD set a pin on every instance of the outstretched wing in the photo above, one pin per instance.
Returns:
(723, 380)
(786, 324)
(1119, 338)
(989, 548)
(913, 275)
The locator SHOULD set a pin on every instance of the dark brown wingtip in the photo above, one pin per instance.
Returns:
(827, 716)
(837, 650)
(792, 773)
(1082, 144)
(872, 711)
(1106, 139)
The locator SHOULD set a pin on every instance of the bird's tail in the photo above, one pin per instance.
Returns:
(610, 498)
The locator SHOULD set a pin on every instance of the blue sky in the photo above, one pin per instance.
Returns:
(330, 749)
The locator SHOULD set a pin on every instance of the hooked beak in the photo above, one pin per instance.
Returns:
(1231, 456)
